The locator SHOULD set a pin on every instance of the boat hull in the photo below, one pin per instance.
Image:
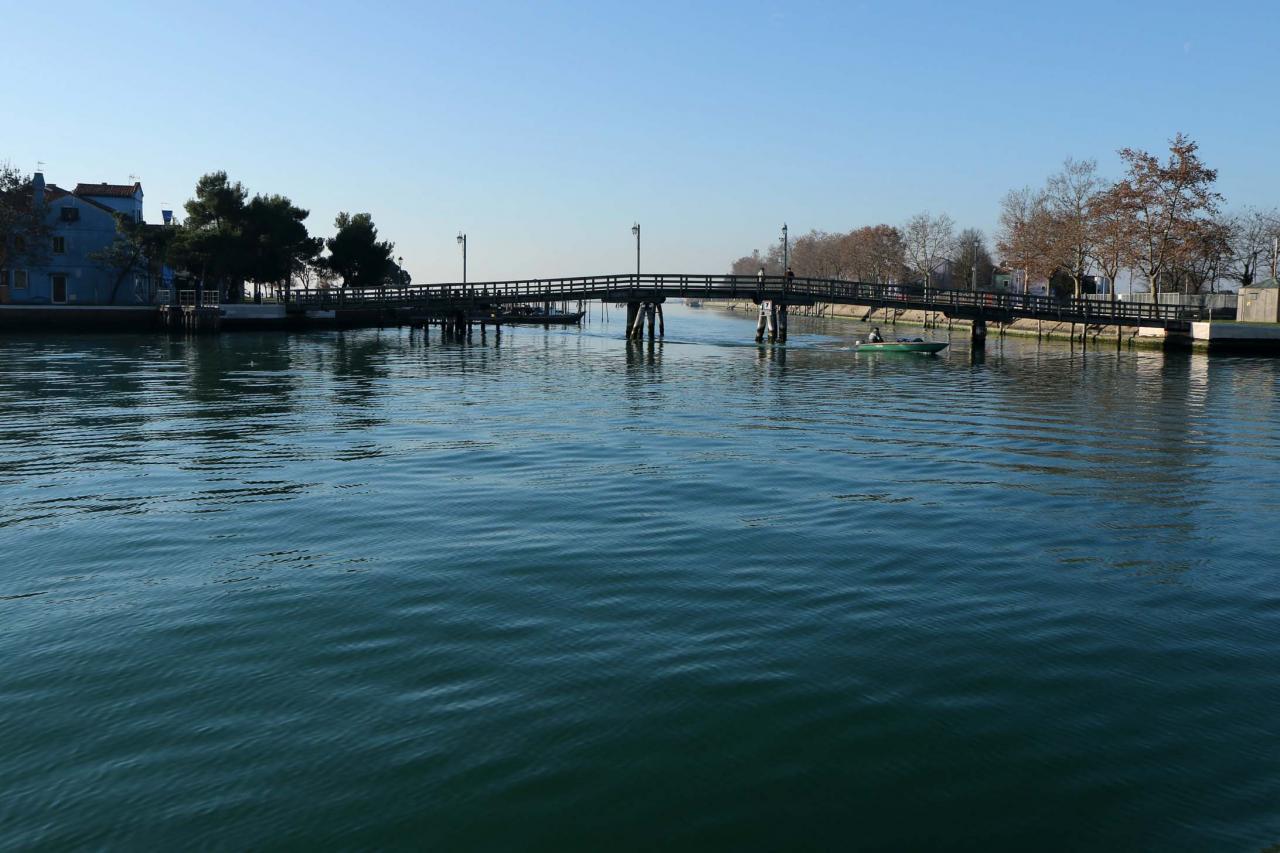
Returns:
(570, 319)
(926, 347)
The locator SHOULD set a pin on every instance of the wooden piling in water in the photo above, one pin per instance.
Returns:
(637, 328)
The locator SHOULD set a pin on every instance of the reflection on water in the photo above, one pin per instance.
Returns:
(515, 590)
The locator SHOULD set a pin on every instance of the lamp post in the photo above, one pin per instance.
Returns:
(462, 241)
(635, 229)
(785, 248)
(400, 271)
(973, 267)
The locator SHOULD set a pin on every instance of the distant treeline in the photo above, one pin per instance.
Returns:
(1161, 223)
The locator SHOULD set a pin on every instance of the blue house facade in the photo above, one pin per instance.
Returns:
(65, 272)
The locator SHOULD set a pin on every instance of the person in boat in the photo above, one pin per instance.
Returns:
(876, 337)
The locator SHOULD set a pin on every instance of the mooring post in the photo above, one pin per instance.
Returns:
(662, 325)
(773, 322)
(761, 321)
(782, 322)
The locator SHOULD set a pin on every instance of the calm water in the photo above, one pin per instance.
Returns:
(558, 592)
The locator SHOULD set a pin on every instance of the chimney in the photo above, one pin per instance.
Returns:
(167, 216)
(37, 189)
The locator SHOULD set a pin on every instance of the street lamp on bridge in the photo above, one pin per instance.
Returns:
(785, 247)
(462, 241)
(635, 229)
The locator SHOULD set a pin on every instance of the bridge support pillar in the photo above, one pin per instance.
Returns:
(978, 332)
(633, 309)
(662, 325)
(650, 315)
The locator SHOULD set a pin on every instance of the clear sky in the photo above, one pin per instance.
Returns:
(545, 129)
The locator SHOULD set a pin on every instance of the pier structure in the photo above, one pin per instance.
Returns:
(644, 295)
(189, 310)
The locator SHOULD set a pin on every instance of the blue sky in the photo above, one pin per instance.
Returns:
(545, 129)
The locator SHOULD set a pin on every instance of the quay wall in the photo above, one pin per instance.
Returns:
(1129, 335)
(79, 318)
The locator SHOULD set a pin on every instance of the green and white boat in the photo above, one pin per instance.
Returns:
(917, 346)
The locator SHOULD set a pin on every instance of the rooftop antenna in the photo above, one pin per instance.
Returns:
(39, 165)
(133, 179)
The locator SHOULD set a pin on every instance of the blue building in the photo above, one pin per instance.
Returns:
(82, 223)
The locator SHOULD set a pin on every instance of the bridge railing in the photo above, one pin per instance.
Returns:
(632, 287)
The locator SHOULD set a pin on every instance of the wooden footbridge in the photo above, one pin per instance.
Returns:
(458, 304)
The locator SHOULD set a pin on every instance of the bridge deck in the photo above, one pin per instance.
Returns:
(657, 287)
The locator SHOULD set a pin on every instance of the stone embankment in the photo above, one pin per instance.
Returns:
(1101, 335)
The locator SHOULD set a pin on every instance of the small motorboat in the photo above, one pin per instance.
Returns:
(530, 317)
(919, 345)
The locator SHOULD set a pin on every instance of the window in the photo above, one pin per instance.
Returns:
(59, 288)
(59, 245)
(19, 279)
(70, 214)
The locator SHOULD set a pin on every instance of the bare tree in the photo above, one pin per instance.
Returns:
(1023, 239)
(1069, 198)
(1251, 235)
(1112, 241)
(751, 264)
(970, 252)
(1203, 256)
(1163, 202)
(927, 241)
(816, 255)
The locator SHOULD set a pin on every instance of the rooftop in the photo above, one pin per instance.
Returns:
(108, 190)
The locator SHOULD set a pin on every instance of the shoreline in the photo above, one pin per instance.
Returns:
(1068, 332)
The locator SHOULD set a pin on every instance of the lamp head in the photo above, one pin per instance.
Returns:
(462, 238)
(635, 229)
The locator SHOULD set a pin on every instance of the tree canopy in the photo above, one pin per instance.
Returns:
(24, 228)
(356, 254)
